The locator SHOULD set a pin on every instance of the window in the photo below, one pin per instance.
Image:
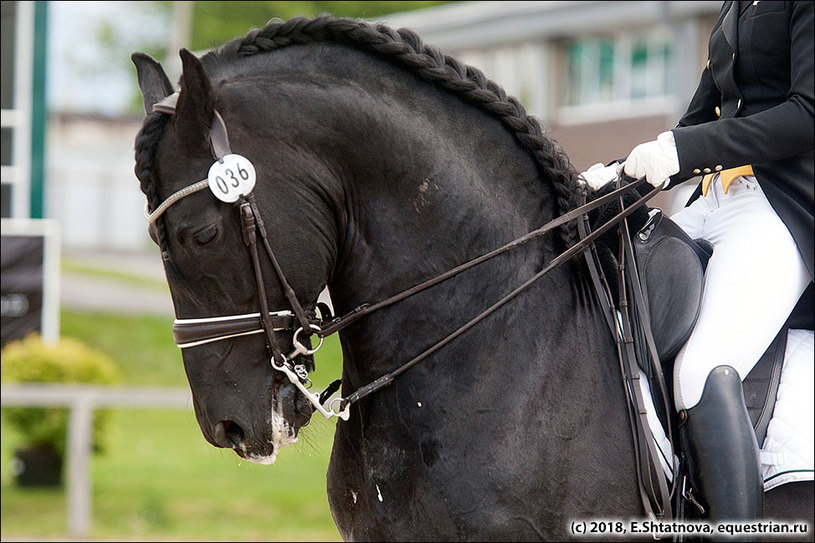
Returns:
(624, 69)
(590, 71)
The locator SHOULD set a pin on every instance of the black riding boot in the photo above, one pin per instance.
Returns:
(721, 445)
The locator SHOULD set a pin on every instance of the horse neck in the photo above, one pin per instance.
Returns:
(429, 182)
(399, 163)
(413, 215)
(417, 181)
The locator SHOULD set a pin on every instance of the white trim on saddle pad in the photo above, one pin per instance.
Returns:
(657, 431)
(788, 450)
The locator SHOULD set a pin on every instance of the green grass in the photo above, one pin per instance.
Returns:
(142, 346)
(159, 479)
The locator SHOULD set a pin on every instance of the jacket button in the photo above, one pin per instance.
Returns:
(738, 104)
(718, 111)
(697, 171)
(706, 170)
(708, 65)
(718, 168)
(734, 56)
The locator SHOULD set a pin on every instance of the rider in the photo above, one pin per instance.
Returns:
(750, 127)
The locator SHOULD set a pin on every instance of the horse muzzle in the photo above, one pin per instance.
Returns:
(260, 440)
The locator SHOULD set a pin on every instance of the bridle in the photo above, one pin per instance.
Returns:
(199, 331)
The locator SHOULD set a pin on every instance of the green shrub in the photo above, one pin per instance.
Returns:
(29, 360)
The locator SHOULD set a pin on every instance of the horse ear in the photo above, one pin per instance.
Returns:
(194, 110)
(153, 82)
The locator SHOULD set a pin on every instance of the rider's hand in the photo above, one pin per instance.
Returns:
(655, 160)
(598, 175)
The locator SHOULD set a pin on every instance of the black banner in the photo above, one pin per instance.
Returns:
(21, 282)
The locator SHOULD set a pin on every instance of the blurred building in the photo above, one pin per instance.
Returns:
(602, 76)
(92, 190)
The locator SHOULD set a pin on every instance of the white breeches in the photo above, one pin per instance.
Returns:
(753, 280)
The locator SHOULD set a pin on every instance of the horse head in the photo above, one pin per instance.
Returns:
(241, 402)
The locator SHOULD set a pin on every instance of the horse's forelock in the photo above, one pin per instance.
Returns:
(145, 147)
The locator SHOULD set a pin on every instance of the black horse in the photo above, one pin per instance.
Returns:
(382, 162)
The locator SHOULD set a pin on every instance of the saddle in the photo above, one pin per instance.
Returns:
(652, 303)
(671, 267)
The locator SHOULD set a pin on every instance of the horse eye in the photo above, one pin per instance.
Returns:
(206, 235)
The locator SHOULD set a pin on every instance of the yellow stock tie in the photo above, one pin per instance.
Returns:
(726, 177)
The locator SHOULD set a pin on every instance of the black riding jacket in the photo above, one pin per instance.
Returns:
(754, 105)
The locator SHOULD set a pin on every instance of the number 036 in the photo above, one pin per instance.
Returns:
(231, 177)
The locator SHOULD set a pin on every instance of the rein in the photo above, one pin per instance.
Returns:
(198, 331)
(632, 320)
(563, 257)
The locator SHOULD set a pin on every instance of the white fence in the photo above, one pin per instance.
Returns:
(82, 400)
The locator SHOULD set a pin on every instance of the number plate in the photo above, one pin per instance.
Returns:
(231, 177)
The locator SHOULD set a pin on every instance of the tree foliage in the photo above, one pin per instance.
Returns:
(216, 22)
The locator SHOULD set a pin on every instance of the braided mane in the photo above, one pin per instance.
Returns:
(146, 145)
(407, 48)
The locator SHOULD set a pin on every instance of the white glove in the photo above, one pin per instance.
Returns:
(655, 160)
(598, 175)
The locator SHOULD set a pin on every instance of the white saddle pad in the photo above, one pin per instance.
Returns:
(788, 451)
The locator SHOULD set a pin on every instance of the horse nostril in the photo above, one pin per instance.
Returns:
(227, 434)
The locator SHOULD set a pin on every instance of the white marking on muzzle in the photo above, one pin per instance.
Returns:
(282, 435)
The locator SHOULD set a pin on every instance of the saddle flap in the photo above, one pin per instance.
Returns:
(671, 269)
